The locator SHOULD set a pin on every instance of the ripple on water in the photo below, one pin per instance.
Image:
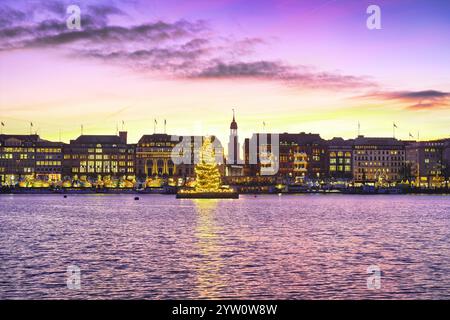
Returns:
(269, 247)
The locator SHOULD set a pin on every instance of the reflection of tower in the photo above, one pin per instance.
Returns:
(234, 161)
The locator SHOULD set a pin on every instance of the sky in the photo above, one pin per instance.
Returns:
(297, 66)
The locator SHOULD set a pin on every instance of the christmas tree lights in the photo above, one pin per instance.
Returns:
(207, 171)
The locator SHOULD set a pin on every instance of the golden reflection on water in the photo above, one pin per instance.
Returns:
(209, 280)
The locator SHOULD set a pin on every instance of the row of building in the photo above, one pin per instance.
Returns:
(287, 157)
(361, 160)
(94, 156)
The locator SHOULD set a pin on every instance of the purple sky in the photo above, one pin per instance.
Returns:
(309, 66)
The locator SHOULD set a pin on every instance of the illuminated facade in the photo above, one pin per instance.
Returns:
(154, 155)
(446, 162)
(49, 159)
(378, 160)
(297, 159)
(99, 155)
(300, 155)
(425, 161)
(340, 159)
(300, 170)
(293, 149)
(29, 156)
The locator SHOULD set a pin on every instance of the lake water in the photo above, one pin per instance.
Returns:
(264, 247)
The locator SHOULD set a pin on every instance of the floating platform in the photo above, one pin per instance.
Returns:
(207, 195)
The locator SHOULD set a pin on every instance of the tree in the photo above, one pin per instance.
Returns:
(207, 171)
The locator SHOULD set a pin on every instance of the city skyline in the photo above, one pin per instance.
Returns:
(297, 66)
(162, 130)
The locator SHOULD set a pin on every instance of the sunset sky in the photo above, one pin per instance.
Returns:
(309, 66)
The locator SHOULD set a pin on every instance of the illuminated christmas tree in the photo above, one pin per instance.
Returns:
(207, 172)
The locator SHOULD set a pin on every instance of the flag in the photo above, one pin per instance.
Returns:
(156, 122)
(395, 126)
(3, 124)
(410, 135)
(31, 123)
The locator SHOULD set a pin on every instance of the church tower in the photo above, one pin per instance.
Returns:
(233, 144)
(234, 163)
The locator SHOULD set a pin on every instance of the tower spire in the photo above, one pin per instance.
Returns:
(233, 125)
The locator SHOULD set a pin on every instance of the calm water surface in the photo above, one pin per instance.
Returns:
(265, 247)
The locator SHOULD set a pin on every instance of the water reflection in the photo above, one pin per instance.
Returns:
(209, 280)
(269, 247)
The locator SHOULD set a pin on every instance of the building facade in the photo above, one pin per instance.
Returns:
(49, 160)
(164, 155)
(154, 156)
(295, 155)
(29, 156)
(378, 161)
(425, 161)
(340, 159)
(99, 155)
